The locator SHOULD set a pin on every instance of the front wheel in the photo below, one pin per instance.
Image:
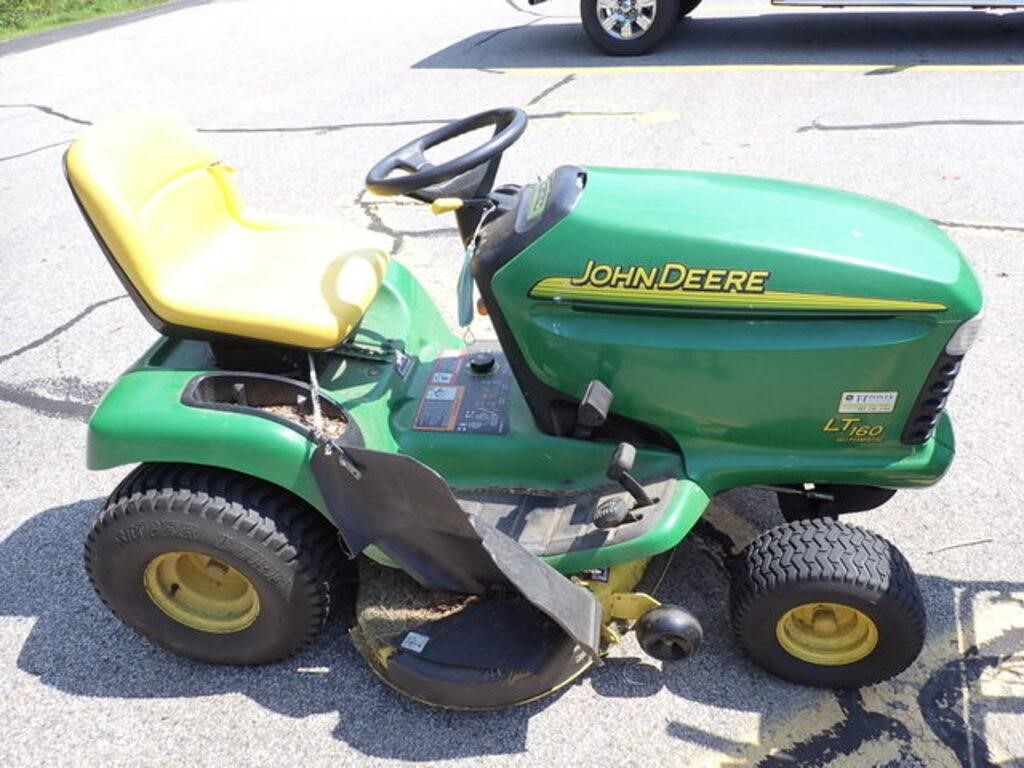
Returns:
(825, 604)
(214, 565)
(629, 27)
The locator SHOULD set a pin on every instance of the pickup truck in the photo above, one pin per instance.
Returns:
(634, 27)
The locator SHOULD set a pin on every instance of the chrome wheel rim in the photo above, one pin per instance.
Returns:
(626, 19)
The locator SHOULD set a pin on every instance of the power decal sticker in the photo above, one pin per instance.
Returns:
(868, 402)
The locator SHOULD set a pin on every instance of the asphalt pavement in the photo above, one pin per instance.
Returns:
(922, 108)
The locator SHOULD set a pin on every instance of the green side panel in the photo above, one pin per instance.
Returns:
(523, 458)
(916, 466)
(142, 419)
(688, 504)
(402, 311)
(749, 390)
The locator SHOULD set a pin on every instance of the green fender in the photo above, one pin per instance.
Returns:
(142, 419)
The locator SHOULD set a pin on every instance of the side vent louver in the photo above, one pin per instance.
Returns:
(931, 400)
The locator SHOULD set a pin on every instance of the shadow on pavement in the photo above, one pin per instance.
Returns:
(77, 647)
(933, 714)
(891, 39)
(917, 719)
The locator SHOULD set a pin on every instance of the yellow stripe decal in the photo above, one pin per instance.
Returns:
(562, 289)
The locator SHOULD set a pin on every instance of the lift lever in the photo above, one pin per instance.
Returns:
(618, 470)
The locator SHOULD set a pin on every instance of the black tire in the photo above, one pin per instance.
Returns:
(288, 552)
(665, 17)
(686, 7)
(669, 633)
(824, 561)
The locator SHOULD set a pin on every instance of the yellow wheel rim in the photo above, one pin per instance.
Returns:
(829, 634)
(201, 592)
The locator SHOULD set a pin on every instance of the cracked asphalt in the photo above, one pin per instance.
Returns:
(925, 109)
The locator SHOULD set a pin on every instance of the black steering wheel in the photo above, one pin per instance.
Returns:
(509, 124)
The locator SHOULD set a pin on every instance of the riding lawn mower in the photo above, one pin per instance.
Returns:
(311, 439)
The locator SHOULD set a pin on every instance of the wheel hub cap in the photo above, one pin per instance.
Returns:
(201, 592)
(626, 19)
(829, 634)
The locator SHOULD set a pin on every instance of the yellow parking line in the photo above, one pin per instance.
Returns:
(667, 69)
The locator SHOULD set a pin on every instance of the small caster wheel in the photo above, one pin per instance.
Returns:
(668, 633)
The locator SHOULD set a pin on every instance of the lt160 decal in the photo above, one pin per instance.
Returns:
(853, 429)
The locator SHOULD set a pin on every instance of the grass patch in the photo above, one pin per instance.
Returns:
(22, 17)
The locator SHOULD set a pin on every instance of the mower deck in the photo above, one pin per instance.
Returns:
(460, 652)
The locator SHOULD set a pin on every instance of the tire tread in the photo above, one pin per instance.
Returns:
(285, 526)
(823, 551)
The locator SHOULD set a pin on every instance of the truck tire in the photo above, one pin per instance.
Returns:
(617, 26)
(215, 565)
(686, 7)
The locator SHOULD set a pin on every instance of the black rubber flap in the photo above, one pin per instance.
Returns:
(407, 511)
(573, 608)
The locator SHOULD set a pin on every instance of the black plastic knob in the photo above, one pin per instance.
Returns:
(610, 514)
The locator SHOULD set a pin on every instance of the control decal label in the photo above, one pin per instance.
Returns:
(679, 286)
(455, 399)
(541, 193)
(415, 642)
(868, 402)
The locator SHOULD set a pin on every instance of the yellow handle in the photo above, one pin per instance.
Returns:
(446, 205)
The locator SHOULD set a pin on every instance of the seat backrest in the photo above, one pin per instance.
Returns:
(151, 188)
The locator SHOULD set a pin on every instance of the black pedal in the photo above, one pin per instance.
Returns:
(593, 409)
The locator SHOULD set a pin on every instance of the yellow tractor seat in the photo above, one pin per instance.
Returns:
(170, 219)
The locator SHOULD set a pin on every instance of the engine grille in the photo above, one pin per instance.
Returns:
(931, 400)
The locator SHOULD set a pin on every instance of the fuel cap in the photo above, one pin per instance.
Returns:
(481, 363)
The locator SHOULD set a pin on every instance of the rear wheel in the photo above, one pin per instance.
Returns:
(825, 604)
(629, 27)
(215, 565)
